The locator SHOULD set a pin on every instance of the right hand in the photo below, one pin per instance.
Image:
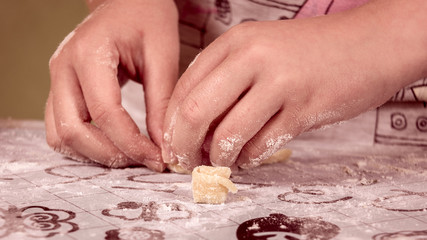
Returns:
(132, 39)
(262, 83)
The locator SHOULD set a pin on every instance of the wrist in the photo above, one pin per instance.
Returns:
(401, 28)
(388, 40)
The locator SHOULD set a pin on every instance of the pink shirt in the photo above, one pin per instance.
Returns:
(320, 7)
(202, 21)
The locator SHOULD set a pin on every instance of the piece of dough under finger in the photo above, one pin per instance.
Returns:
(176, 168)
(280, 156)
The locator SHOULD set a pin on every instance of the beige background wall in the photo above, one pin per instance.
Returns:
(30, 31)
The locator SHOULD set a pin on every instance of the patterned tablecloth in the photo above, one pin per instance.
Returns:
(338, 184)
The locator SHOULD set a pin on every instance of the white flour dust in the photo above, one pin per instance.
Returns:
(167, 136)
(229, 145)
(105, 56)
(18, 166)
(312, 122)
(183, 160)
(273, 145)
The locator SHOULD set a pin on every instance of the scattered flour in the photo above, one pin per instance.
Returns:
(18, 167)
(255, 226)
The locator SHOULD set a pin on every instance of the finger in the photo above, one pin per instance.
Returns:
(201, 66)
(271, 138)
(76, 134)
(246, 118)
(206, 102)
(52, 137)
(102, 94)
(160, 74)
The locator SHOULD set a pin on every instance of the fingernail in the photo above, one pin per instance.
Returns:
(249, 163)
(224, 161)
(229, 150)
(183, 160)
(160, 167)
(155, 165)
(119, 161)
(234, 169)
(221, 163)
(168, 156)
(165, 156)
(189, 162)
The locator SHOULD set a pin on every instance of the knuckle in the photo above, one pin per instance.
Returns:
(183, 87)
(67, 136)
(237, 37)
(250, 45)
(191, 112)
(100, 113)
(255, 49)
(253, 151)
(118, 162)
(240, 29)
(160, 110)
(80, 48)
(52, 141)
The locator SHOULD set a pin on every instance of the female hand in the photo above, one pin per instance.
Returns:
(133, 39)
(262, 83)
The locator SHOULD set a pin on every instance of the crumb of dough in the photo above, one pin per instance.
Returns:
(279, 156)
(176, 168)
(211, 184)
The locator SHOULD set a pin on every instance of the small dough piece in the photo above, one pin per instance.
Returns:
(279, 156)
(176, 168)
(211, 184)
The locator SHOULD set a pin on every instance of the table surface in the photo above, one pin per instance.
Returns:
(338, 184)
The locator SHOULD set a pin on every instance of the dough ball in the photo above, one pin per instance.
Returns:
(211, 184)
